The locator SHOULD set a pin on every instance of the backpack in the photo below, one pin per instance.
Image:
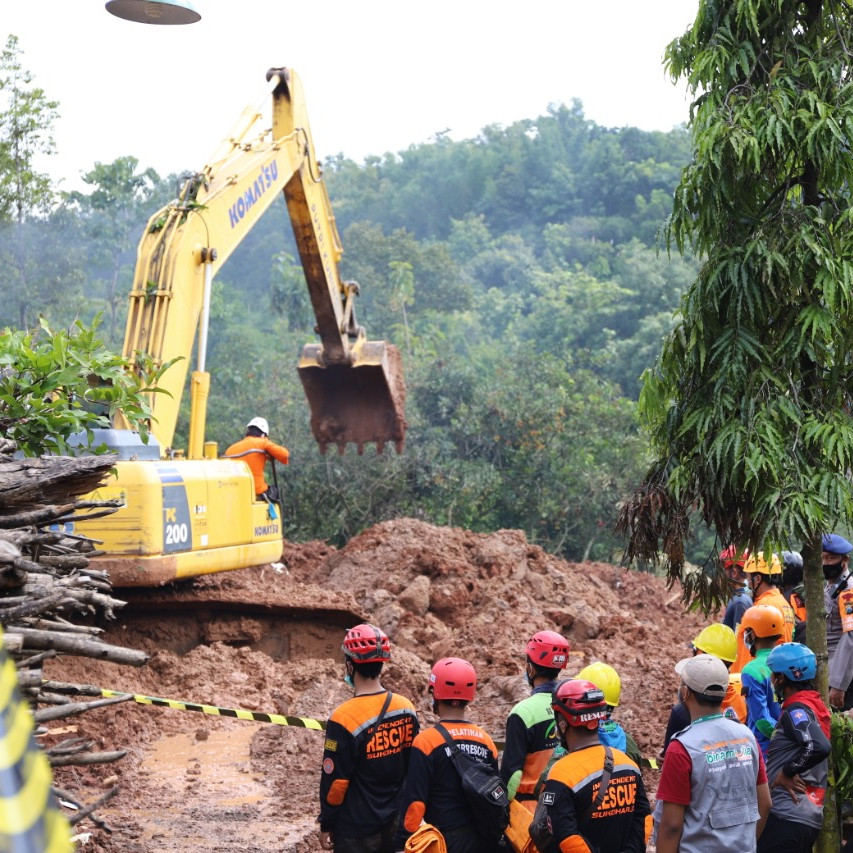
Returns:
(540, 827)
(483, 788)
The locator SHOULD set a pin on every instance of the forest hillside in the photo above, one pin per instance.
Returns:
(520, 273)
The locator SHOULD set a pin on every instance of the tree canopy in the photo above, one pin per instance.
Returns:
(748, 405)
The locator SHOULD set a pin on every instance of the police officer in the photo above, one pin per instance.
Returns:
(838, 600)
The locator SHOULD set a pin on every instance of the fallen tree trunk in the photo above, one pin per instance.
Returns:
(34, 640)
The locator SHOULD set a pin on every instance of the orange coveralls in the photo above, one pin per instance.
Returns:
(254, 452)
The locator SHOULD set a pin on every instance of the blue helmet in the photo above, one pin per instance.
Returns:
(793, 660)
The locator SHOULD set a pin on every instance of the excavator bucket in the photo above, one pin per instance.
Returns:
(359, 403)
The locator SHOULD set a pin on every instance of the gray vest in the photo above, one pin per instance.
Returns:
(723, 810)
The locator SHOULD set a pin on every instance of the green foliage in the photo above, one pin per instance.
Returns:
(26, 127)
(748, 405)
(26, 133)
(842, 756)
(54, 384)
(109, 223)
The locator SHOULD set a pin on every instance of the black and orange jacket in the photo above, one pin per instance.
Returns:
(364, 766)
(619, 823)
(433, 790)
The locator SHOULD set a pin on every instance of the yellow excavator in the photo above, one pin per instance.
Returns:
(190, 514)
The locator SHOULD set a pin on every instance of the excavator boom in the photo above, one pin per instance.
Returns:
(354, 387)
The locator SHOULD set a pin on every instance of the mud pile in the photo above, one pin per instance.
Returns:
(269, 641)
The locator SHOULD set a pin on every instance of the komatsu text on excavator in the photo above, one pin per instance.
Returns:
(195, 515)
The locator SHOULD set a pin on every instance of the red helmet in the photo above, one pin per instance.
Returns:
(548, 649)
(580, 703)
(733, 556)
(367, 644)
(453, 678)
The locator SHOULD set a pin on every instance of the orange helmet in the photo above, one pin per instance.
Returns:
(367, 644)
(733, 556)
(764, 620)
(548, 649)
(453, 678)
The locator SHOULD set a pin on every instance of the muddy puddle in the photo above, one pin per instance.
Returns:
(208, 797)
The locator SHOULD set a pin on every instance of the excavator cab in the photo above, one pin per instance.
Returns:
(359, 402)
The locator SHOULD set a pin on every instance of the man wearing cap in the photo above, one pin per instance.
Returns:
(713, 795)
(838, 600)
(254, 449)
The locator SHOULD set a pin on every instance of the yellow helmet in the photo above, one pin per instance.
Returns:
(605, 678)
(718, 640)
(756, 564)
(775, 565)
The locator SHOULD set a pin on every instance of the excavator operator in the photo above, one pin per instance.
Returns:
(254, 449)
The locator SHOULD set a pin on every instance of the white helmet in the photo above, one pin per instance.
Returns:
(261, 424)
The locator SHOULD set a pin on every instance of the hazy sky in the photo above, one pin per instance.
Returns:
(378, 76)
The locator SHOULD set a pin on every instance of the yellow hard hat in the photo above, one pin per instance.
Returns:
(756, 564)
(718, 640)
(605, 678)
(775, 565)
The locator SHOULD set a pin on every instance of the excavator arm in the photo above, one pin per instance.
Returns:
(354, 387)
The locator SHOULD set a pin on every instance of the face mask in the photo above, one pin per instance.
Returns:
(529, 677)
(348, 680)
(749, 640)
(832, 570)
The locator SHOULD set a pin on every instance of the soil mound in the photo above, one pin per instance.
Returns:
(269, 641)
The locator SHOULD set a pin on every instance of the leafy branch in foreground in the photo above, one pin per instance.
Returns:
(54, 384)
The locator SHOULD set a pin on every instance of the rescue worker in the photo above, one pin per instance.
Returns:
(760, 576)
(713, 795)
(717, 640)
(531, 733)
(433, 790)
(797, 766)
(611, 733)
(587, 812)
(366, 753)
(794, 591)
(733, 560)
(762, 630)
(254, 449)
(838, 601)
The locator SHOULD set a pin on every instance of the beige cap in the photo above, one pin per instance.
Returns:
(705, 674)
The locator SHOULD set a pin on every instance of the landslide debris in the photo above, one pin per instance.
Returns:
(437, 591)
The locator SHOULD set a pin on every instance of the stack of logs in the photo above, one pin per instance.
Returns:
(46, 583)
